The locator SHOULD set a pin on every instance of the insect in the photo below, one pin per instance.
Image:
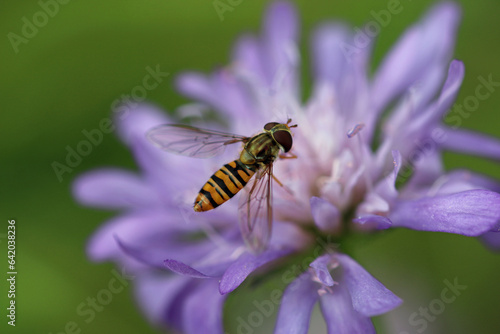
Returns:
(255, 161)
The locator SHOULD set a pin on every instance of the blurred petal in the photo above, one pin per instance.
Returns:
(477, 180)
(340, 66)
(296, 306)
(203, 310)
(138, 226)
(140, 255)
(281, 23)
(408, 60)
(157, 165)
(369, 296)
(280, 33)
(289, 236)
(329, 60)
(340, 316)
(491, 240)
(197, 86)
(134, 121)
(446, 99)
(470, 142)
(326, 215)
(426, 170)
(386, 188)
(470, 213)
(379, 222)
(156, 292)
(113, 189)
(244, 266)
(448, 95)
(373, 203)
(221, 90)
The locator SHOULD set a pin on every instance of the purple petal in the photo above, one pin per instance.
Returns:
(137, 119)
(397, 165)
(340, 316)
(425, 89)
(221, 90)
(280, 35)
(203, 310)
(158, 166)
(446, 99)
(373, 204)
(113, 188)
(477, 180)
(140, 255)
(380, 222)
(470, 213)
(321, 267)
(413, 132)
(132, 227)
(248, 55)
(426, 170)
(281, 23)
(329, 63)
(174, 312)
(386, 188)
(470, 142)
(289, 236)
(326, 215)
(244, 266)
(296, 306)
(369, 296)
(451, 87)
(491, 240)
(156, 293)
(409, 60)
(197, 86)
(184, 269)
(340, 67)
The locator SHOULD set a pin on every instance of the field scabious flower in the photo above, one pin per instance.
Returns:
(369, 158)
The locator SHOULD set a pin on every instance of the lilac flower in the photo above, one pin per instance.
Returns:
(347, 304)
(356, 171)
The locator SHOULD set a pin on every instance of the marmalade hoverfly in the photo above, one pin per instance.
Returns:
(257, 158)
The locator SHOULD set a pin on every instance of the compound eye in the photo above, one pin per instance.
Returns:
(270, 125)
(284, 138)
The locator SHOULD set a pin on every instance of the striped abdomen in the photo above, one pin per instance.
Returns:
(224, 184)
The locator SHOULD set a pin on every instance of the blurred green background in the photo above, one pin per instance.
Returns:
(65, 79)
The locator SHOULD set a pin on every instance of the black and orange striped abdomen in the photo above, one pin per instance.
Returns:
(224, 184)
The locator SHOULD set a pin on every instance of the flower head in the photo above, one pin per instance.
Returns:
(368, 158)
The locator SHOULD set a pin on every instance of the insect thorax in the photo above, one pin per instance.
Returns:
(260, 149)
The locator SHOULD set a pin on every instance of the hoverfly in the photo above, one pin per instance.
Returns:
(256, 159)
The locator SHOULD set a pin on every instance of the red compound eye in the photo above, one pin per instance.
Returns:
(270, 125)
(284, 138)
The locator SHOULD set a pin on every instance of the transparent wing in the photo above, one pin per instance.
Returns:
(256, 210)
(191, 141)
